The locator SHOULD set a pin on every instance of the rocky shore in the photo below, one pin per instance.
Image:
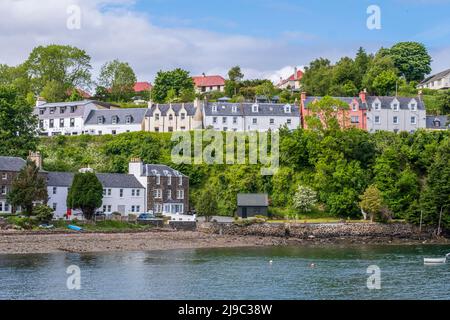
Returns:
(214, 235)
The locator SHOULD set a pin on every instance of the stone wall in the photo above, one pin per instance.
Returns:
(320, 231)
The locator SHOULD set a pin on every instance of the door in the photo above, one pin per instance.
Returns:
(244, 213)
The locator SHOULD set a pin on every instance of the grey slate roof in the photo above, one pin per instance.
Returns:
(348, 100)
(108, 180)
(438, 122)
(151, 170)
(79, 112)
(164, 108)
(137, 116)
(245, 109)
(404, 102)
(11, 164)
(436, 76)
(253, 200)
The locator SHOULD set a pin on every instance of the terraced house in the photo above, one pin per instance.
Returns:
(241, 117)
(115, 121)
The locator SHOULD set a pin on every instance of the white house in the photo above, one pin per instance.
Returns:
(437, 82)
(251, 116)
(66, 118)
(115, 121)
(121, 193)
(204, 83)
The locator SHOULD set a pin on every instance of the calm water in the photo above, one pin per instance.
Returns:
(340, 273)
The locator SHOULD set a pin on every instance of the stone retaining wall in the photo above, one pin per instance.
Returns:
(320, 231)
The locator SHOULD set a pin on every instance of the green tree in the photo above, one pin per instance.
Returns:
(381, 63)
(206, 205)
(17, 124)
(411, 59)
(305, 199)
(362, 63)
(85, 194)
(235, 74)
(328, 109)
(54, 91)
(266, 89)
(66, 65)
(43, 213)
(177, 80)
(372, 203)
(317, 78)
(119, 78)
(385, 83)
(28, 187)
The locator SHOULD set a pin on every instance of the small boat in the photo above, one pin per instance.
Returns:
(75, 228)
(436, 260)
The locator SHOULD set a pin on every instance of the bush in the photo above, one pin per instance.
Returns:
(43, 213)
(23, 222)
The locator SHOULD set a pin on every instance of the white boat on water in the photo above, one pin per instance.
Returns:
(436, 260)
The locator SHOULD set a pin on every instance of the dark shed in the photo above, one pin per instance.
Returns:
(250, 205)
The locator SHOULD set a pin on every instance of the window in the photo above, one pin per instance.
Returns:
(234, 109)
(180, 194)
(61, 123)
(377, 119)
(114, 120)
(99, 120)
(73, 109)
(157, 116)
(138, 193)
(107, 192)
(171, 117)
(214, 108)
(113, 132)
(214, 119)
(287, 109)
(395, 120)
(158, 179)
(121, 193)
(6, 206)
(55, 205)
(41, 111)
(52, 110)
(377, 106)
(354, 107)
(413, 107)
(255, 108)
(157, 129)
(41, 124)
(55, 190)
(51, 123)
(272, 121)
(224, 120)
(413, 120)
(72, 122)
(158, 208)
(169, 194)
(169, 180)
(183, 116)
(3, 190)
(4, 176)
(62, 110)
(128, 119)
(355, 119)
(255, 121)
(157, 194)
(138, 208)
(395, 106)
(234, 120)
(180, 180)
(109, 208)
(289, 121)
(133, 192)
(1, 206)
(133, 209)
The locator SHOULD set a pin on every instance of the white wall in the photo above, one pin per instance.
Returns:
(108, 129)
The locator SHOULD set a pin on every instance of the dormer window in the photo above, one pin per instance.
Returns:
(114, 120)
(354, 107)
(413, 106)
(214, 108)
(171, 117)
(395, 106)
(255, 108)
(157, 116)
(52, 110)
(128, 119)
(377, 106)
(183, 116)
(62, 110)
(287, 108)
(41, 111)
(100, 120)
(234, 109)
(437, 123)
(73, 109)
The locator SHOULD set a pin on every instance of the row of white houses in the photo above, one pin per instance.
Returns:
(99, 118)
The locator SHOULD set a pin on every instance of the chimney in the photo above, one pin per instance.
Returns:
(136, 167)
(150, 104)
(420, 95)
(36, 158)
(295, 73)
(303, 96)
(40, 101)
(362, 95)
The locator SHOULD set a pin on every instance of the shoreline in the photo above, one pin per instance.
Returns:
(43, 242)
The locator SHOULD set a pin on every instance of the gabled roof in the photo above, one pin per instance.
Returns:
(152, 170)
(137, 116)
(435, 77)
(348, 100)
(253, 200)
(293, 77)
(176, 107)
(108, 180)
(245, 109)
(208, 81)
(142, 86)
(14, 164)
(404, 102)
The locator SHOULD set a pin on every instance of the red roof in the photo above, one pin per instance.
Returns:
(292, 77)
(82, 93)
(208, 81)
(142, 86)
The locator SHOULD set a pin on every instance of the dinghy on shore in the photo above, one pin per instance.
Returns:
(436, 260)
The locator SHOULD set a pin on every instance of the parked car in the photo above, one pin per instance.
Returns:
(145, 217)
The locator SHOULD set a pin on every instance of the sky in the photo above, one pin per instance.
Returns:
(267, 38)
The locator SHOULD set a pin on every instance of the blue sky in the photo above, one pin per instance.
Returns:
(266, 37)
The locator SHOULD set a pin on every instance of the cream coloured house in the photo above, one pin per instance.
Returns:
(174, 117)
